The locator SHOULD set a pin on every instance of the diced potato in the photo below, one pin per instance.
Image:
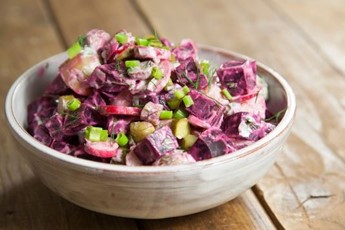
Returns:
(74, 72)
(181, 128)
(188, 141)
(140, 130)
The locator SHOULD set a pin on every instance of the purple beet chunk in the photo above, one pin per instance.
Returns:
(41, 134)
(155, 145)
(118, 124)
(57, 87)
(141, 99)
(238, 77)
(188, 73)
(244, 125)
(109, 77)
(54, 126)
(186, 49)
(108, 51)
(62, 146)
(206, 109)
(94, 100)
(211, 143)
(40, 110)
(96, 38)
(86, 115)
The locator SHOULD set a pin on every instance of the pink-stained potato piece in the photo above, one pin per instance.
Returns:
(75, 72)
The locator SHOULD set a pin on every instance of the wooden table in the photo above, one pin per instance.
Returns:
(303, 40)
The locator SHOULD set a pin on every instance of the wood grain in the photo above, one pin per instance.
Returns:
(240, 213)
(323, 23)
(27, 36)
(65, 20)
(80, 16)
(327, 38)
(306, 186)
(303, 40)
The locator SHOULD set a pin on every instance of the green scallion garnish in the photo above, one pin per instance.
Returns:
(121, 38)
(185, 89)
(157, 73)
(180, 113)
(187, 101)
(179, 94)
(227, 94)
(165, 114)
(132, 63)
(174, 103)
(142, 42)
(121, 139)
(74, 50)
(96, 134)
(73, 104)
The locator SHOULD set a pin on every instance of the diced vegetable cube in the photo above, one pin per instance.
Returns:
(181, 128)
(140, 130)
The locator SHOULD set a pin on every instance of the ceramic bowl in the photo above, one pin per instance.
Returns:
(147, 191)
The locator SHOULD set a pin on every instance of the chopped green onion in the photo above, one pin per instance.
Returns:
(226, 93)
(174, 103)
(96, 134)
(103, 135)
(81, 40)
(188, 101)
(121, 38)
(62, 104)
(74, 50)
(185, 89)
(121, 139)
(205, 66)
(179, 94)
(155, 43)
(132, 63)
(165, 114)
(157, 73)
(180, 113)
(142, 41)
(73, 104)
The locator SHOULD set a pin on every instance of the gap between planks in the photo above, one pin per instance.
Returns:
(59, 33)
(257, 192)
(50, 14)
(299, 29)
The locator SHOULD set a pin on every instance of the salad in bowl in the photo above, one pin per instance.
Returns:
(130, 100)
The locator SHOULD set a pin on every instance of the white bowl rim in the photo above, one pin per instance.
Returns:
(20, 131)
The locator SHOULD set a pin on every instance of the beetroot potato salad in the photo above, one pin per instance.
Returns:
(130, 100)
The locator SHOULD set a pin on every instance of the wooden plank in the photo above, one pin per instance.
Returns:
(327, 38)
(323, 21)
(28, 36)
(246, 203)
(240, 213)
(77, 17)
(306, 187)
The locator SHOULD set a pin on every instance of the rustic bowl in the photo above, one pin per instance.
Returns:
(147, 191)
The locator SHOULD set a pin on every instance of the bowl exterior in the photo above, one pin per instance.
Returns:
(145, 192)
(154, 195)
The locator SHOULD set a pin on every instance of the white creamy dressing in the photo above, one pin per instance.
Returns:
(91, 55)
